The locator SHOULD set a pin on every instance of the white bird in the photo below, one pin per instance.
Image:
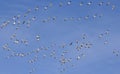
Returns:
(89, 3)
(36, 8)
(113, 7)
(16, 41)
(101, 3)
(37, 37)
(81, 3)
(78, 57)
(69, 2)
(46, 7)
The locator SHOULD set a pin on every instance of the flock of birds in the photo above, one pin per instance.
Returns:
(57, 52)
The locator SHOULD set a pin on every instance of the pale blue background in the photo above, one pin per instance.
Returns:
(99, 58)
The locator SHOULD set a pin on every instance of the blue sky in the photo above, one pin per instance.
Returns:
(99, 59)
